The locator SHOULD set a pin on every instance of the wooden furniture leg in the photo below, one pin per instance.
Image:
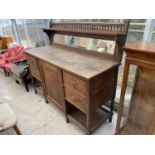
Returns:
(26, 85)
(114, 94)
(88, 115)
(33, 85)
(67, 119)
(17, 81)
(66, 111)
(123, 90)
(5, 72)
(111, 110)
(8, 74)
(17, 130)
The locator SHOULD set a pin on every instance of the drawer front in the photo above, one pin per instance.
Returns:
(34, 67)
(103, 79)
(103, 95)
(76, 100)
(75, 83)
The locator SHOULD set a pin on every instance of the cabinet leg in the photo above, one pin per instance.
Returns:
(111, 110)
(67, 119)
(35, 91)
(17, 81)
(88, 119)
(46, 101)
(110, 119)
(66, 111)
(32, 79)
(88, 132)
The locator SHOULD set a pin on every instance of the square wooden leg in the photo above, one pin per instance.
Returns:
(17, 130)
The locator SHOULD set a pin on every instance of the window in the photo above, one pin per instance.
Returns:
(6, 27)
(136, 29)
(40, 25)
(21, 32)
(153, 36)
(30, 31)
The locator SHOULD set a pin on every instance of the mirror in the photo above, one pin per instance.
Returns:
(97, 45)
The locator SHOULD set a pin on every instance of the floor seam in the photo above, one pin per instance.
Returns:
(38, 128)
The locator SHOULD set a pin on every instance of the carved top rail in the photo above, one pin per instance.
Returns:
(118, 28)
(111, 31)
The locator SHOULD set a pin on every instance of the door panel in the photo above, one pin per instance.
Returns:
(34, 67)
(52, 83)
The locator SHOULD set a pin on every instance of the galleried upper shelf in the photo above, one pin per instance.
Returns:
(93, 30)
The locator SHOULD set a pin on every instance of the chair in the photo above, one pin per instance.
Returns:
(11, 52)
(35, 82)
(20, 69)
(21, 73)
(10, 63)
(8, 118)
(9, 56)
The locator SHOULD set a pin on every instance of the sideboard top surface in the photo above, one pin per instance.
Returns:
(84, 65)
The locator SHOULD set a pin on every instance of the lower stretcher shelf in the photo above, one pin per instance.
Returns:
(98, 118)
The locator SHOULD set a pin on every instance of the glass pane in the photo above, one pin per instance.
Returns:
(31, 32)
(6, 27)
(136, 29)
(40, 25)
(129, 90)
(142, 105)
(153, 35)
(21, 31)
(98, 45)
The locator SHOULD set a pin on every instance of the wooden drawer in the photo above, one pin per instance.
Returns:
(103, 95)
(76, 100)
(75, 83)
(103, 79)
(34, 67)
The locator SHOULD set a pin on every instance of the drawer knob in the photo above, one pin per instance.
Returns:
(73, 98)
(73, 84)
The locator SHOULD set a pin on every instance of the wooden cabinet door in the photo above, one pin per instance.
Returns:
(34, 67)
(52, 83)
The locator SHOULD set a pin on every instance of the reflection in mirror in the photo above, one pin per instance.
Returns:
(97, 45)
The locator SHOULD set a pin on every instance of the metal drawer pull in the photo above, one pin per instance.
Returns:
(74, 98)
(73, 84)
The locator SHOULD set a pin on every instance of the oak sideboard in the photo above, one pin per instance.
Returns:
(79, 81)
